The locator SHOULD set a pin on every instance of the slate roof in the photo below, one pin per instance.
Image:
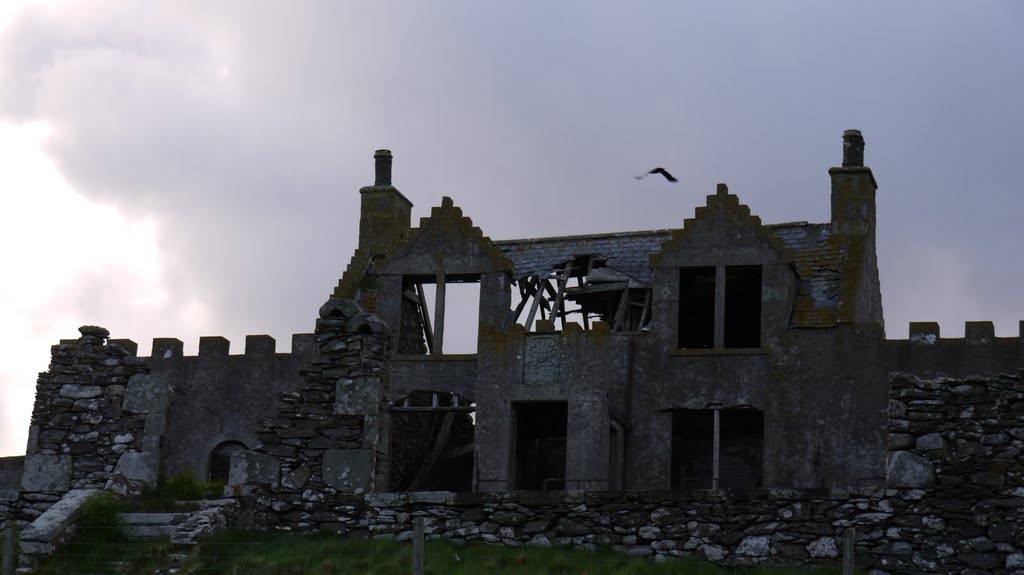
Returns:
(818, 260)
(816, 256)
(625, 252)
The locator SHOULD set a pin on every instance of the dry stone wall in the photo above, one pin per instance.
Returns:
(95, 417)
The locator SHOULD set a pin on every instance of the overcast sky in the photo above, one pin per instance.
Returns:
(177, 169)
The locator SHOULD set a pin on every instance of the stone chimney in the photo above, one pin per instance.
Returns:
(853, 226)
(853, 149)
(382, 164)
(853, 189)
(385, 214)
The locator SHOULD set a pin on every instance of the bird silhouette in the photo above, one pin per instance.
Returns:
(661, 171)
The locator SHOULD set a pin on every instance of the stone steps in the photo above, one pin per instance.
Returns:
(181, 527)
(151, 525)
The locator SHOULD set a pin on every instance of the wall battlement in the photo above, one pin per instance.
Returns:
(979, 352)
(261, 345)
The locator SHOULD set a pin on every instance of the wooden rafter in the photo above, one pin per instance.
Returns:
(428, 329)
(621, 312)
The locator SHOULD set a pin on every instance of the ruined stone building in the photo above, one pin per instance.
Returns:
(726, 354)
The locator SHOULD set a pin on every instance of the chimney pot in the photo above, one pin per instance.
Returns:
(853, 149)
(383, 167)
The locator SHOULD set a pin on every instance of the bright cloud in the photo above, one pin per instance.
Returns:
(54, 241)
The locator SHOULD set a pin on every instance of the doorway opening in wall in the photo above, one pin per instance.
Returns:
(440, 315)
(219, 465)
(540, 431)
(717, 448)
(432, 442)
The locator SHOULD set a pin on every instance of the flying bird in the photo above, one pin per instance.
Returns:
(661, 171)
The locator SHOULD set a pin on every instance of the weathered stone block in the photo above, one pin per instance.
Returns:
(756, 546)
(46, 473)
(147, 393)
(341, 308)
(906, 469)
(542, 363)
(139, 466)
(76, 391)
(248, 467)
(348, 470)
(358, 397)
(47, 529)
(823, 547)
(297, 478)
(930, 442)
(154, 428)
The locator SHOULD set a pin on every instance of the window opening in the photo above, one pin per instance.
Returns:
(432, 443)
(742, 306)
(717, 449)
(220, 460)
(440, 314)
(540, 444)
(697, 307)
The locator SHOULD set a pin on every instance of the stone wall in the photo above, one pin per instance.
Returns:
(955, 503)
(220, 396)
(91, 421)
(328, 437)
(10, 484)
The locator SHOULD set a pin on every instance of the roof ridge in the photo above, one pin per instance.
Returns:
(587, 236)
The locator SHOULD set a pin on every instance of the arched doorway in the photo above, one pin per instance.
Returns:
(220, 460)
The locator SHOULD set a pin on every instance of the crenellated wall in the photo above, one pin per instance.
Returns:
(979, 352)
(219, 397)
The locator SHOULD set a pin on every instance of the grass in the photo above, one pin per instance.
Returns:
(165, 496)
(235, 552)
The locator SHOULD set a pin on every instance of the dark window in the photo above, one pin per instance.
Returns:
(697, 307)
(540, 444)
(734, 461)
(742, 306)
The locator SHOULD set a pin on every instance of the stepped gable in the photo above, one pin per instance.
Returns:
(446, 231)
(721, 210)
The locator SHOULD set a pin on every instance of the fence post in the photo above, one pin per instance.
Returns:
(417, 546)
(849, 539)
(8, 566)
